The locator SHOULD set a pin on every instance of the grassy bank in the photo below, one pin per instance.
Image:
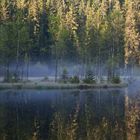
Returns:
(49, 85)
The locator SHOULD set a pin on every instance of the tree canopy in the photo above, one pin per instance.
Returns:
(83, 31)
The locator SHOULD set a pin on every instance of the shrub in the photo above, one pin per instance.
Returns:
(64, 76)
(89, 78)
(19, 86)
(8, 78)
(116, 80)
(12, 77)
(15, 78)
(74, 79)
(89, 81)
(46, 78)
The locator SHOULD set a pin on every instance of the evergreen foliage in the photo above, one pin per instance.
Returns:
(84, 32)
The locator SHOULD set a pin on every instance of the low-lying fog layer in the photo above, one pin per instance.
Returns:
(37, 71)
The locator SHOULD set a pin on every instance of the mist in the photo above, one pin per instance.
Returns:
(40, 70)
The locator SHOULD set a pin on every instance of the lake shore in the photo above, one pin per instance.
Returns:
(52, 85)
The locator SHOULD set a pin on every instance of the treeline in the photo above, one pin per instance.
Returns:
(100, 32)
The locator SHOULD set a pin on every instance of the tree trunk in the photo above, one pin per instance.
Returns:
(7, 72)
(56, 64)
(28, 67)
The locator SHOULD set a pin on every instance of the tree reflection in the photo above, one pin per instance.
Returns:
(87, 115)
(132, 113)
(61, 130)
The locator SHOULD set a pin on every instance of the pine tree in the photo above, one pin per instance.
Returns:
(116, 43)
(71, 21)
(132, 36)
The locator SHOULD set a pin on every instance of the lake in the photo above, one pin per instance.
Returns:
(102, 114)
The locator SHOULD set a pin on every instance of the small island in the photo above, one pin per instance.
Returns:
(64, 81)
(44, 85)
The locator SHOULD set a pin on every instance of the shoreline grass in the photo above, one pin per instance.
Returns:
(45, 85)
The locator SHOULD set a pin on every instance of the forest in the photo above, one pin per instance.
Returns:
(99, 33)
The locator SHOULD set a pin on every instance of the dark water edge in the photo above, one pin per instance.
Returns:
(101, 114)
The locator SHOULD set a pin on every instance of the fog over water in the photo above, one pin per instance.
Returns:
(40, 70)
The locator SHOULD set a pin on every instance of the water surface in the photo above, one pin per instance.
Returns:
(104, 114)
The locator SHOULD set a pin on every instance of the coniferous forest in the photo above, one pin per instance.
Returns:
(69, 69)
(86, 32)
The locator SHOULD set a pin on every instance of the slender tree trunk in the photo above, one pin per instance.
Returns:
(18, 47)
(99, 57)
(7, 72)
(56, 64)
(28, 67)
(99, 64)
(17, 59)
(56, 70)
(22, 71)
(26, 63)
(112, 59)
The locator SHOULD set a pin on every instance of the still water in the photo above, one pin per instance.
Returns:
(103, 114)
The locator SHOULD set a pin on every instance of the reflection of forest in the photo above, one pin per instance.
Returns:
(100, 117)
(58, 115)
(132, 113)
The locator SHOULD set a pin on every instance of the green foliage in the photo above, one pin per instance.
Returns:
(89, 78)
(116, 80)
(81, 31)
(46, 78)
(64, 76)
(12, 78)
(74, 80)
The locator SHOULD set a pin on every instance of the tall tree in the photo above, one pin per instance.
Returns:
(132, 35)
